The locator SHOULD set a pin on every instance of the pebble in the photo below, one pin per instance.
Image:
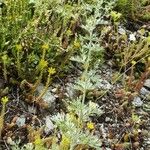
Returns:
(49, 126)
(70, 91)
(144, 91)
(121, 31)
(32, 109)
(132, 37)
(21, 121)
(104, 84)
(147, 83)
(137, 102)
(107, 119)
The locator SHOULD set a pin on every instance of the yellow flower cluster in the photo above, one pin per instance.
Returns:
(133, 62)
(65, 143)
(90, 125)
(4, 100)
(43, 64)
(45, 46)
(77, 44)
(38, 141)
(115, 16)
(51, 71)
(18, 47)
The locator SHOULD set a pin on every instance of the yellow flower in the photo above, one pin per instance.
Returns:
(69, 32)
(52, 70)
(133, 62)
(115, 16)
(4, 100)
(65, 142)
(38, 141)
(43, 64)
(77, 44)
(45, 46)
(73, 117)
(18, 47)
(90, 125)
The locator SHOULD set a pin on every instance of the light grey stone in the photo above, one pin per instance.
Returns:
(49, 126)
(137, 102)
(147, 83)
(121, 31)
(107, 119)
(21, 121)
(70, 91)
(144, 91)
(32, 109)
(104, 84)
(48, 97)
(132, 37)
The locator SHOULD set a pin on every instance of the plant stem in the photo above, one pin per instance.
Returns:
(87, 63)
(45, 89)
(5, 71)
(18, 63)
(2, 119)
(37, 82)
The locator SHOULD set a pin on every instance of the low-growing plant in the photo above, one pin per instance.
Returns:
(128, 49)
(33, 25)
(72, 135)
(134, 9)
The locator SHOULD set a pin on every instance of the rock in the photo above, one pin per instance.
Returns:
(70, 91)
(147, 83)
(10, 141)
(144, 91)
(132, 37)
(107, 119)
(48, 97)
(21, 121)
(104, 84)
(121, 31)
(32, 109)
(137, 102)
(49, 126)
